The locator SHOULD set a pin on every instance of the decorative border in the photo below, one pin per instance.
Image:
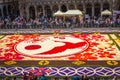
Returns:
(61, 63)
(63, 71)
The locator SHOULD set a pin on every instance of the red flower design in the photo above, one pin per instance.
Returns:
(10, 56)
(106, 55)
(97, 37)
(40, 71)
(94, 44)
(84, 36)
(41, 68)
(1, 50)
(32, 71)
(13, 37)
(10, 44)
(17, 56)
(76, 35)
(86, 56)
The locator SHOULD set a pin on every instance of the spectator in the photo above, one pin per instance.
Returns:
(84, 77)
(43, 77)
(76, 77)
(31, 76)
(115, 78)
(25, 77)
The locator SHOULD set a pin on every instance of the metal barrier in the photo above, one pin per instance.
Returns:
(57, 26)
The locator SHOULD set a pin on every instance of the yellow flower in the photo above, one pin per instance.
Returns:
(56, 34)
(112, 63)
(77, 33)
(10, 62)
(17, 34)
(43, 62)
(117, 40)
(96, 32)
(78, 62)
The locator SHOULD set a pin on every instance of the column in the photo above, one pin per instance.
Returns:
(84, 8)
(93, 10)
(35, 6)
(2, 11)
(101, 7)
(21, 10)
(59, 8)
(110, 7)
(52, 12)
(7, 9)
(43, 10)
(67, 6)
(113, 5)
(27, 12)
(75, 6)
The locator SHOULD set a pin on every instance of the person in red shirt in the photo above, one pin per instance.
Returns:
(25, 77)
(31, 76)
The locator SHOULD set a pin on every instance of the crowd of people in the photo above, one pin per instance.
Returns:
(31, 76)
(57, 22)
(75, 77)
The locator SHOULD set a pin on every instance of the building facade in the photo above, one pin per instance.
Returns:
(9, 7)
(37, 8)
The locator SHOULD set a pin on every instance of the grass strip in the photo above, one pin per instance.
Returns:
(2, 36)
(117, 35)
(114, 41)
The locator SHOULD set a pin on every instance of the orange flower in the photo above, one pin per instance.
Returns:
(86, 56)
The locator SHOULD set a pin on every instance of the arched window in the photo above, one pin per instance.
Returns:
(89, 9)
(71, 6)
(55, 8)
(4, 11)
(97, 9)
(48, 11)
(39, 11)
(106, 6)
(32, 12)
(80, 7)
(63, 8)
(9, 10)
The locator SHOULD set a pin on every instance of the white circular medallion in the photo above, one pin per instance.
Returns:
(51, 47)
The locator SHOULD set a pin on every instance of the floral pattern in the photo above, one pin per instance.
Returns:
(10, 62)
(40, 71)
(43, 63)
(78, 63)
(101, 47)
(112, 63)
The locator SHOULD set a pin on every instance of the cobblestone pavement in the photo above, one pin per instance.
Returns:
(82, 30)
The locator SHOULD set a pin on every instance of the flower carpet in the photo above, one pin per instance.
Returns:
(60, 54)
(63, 47)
